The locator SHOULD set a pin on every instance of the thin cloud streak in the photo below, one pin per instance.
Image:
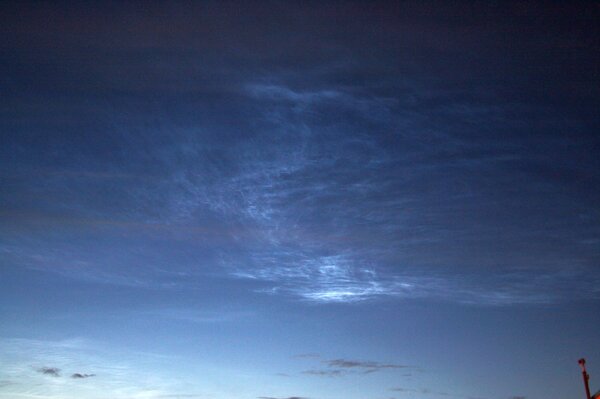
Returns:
(342, 367)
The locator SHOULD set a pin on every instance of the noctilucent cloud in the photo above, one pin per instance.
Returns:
(299, 200)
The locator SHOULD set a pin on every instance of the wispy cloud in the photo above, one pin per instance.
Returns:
(280, 92)
(345, 192)
(246, 154)
(342, 279)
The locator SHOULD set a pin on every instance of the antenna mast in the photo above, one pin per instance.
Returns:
(586, 378)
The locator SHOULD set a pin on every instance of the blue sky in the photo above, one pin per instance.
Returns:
(284, 200)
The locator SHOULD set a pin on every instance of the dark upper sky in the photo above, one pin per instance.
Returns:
(298, 199)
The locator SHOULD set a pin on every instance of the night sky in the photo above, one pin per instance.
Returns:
(299, 200)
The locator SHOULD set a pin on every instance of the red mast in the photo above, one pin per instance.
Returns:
(586, 378)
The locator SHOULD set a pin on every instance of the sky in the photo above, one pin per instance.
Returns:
(299, 200)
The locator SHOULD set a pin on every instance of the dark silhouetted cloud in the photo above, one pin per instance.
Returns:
(367, 367)
(79, 375)
(288, 397)
(340, 367)
(51, 371)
